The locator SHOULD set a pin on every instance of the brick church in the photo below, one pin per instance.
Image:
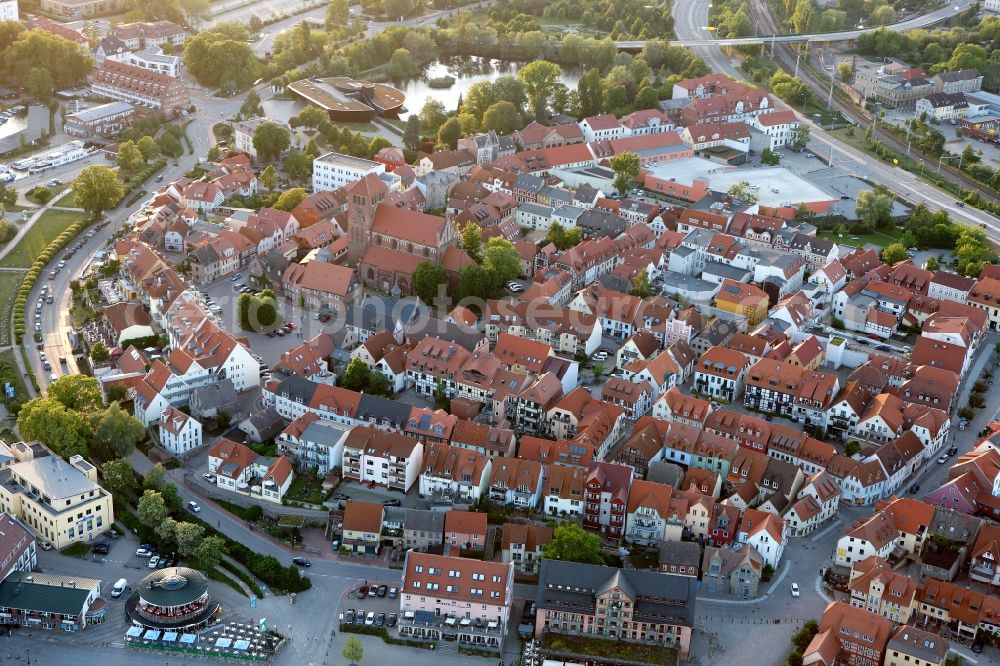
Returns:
(388, 243)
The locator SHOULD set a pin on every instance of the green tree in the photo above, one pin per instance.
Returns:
(379, 385)
(66, 63)
(290, 199)
(188, 536)
(411, 133)
(851, 448)
(217, 59)
(571, 543)
(476, 282)
(883, 15)
(539, 78)
(590, 93)
(640, 285)
(502, 117)
(310, 117)
(353, 650)
(338, 13)
(116, 432)
(440, 395)
(501, 259)
(50, 422)
(356, 375)
(402, 65)
(152, 509)
(743, 191)
(251, 106)
(647, 98)
(472, 240)
(97, 189)
(38, 81)
(99, 352)
(427, 278)
(873, 207)
(270, 140)
(799, 136)
(208, 553)
(80, 393)
(626, 168)
(432, 116)
(170, 145)
(894, 252)
(449, 133)
(932, 263)
(845, 72)
(802, 16)
(769, 157)
(153, 478)
(118, 477)
(268, 177)
(298, 165)
(148, 147)
(969, 155)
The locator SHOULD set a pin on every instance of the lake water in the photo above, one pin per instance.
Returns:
(466, 71)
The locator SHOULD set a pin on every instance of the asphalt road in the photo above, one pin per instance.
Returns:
(695, 39)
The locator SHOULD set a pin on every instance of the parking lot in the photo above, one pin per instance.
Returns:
(379, 607)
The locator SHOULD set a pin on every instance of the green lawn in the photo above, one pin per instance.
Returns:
(76, 550)
(9, 372)
(880, 238)
(67, 200)
(51, 224)
(9, 282)
(306, 488)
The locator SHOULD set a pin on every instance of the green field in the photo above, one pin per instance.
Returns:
(67, 200)
(880, 238)
(46, 228)
(9, 282)
(9, 372)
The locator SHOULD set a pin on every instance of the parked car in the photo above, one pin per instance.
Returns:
(942, 459)
(236, 277)
(382, 590)
(600, 356)
(362, 592)
(301, 561)
(370, 618)
(208, 477)
(101, 547)
(194, 506)
(111, 534)
(349, 616)
(795, 589)
(45, 545)
(392, 502)
(380, 619)
(915, 488)
(390, 621)
(952, 450)
(153, 561)
(393, 592)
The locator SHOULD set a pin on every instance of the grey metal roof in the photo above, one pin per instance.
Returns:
(535, 209)
(725, 271)
(568, 212)
(382, 409)
(323, 432)
(658, 598)
(216, 394)
(424, 520)
(909, 640)
(54, 477)
(102, 111)
(297, 388)
(16, 591)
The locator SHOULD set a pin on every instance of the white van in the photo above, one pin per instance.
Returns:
(119, 588)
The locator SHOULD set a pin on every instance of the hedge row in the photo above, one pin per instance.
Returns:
(220, 577)
(268, 569)
(140, 176)
(243, 576)
(31, 277)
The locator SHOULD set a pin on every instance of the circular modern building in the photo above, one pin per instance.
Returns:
(175, 598)
(349, 101)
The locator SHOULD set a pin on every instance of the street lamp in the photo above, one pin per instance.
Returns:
(949, 157)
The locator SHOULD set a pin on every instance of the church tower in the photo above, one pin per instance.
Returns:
(363, 199)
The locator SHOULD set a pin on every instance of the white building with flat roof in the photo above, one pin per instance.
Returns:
(335, 170)
(8, 10)
(153, 59)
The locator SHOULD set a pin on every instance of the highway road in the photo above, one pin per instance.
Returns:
(690, 17)
(700, 36)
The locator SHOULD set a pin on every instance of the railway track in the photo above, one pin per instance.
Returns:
(785, 56)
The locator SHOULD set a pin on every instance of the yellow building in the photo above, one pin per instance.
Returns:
(61, 501)
(747, 300)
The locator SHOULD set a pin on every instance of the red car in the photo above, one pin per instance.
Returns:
(52, 275)
(290, 326)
